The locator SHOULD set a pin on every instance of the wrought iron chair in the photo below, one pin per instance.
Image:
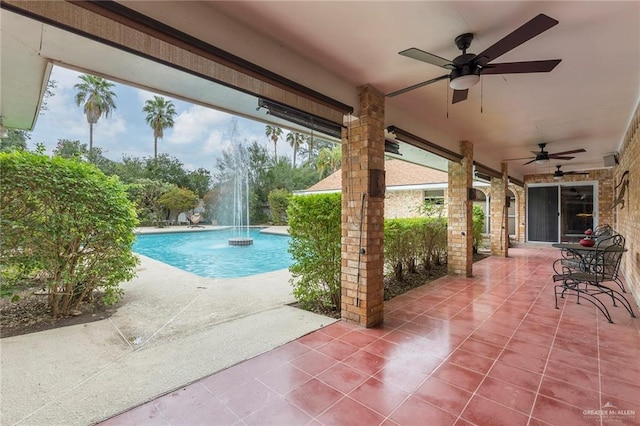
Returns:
(587, 280)
(578, 260)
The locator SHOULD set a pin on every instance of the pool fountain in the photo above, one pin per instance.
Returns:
(240, 202)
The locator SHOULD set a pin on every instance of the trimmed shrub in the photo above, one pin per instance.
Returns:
(66, 222)
(411, 242)
(315, 229)
(278, 204)
(478, 226)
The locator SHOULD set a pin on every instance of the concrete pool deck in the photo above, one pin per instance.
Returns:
(170, 329)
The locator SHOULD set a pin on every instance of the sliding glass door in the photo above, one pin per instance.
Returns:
(560, 212)
(576, 211)
(543, 214)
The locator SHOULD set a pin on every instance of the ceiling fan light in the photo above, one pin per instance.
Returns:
(464, 82)
(542, 161)
(557, 176)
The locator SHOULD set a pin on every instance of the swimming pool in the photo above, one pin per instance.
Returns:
(208, 253)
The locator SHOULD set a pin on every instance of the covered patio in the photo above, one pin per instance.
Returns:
(491, 349)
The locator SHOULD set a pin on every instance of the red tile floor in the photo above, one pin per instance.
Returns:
(487, 350)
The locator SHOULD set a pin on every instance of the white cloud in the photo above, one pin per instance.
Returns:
(196, 123)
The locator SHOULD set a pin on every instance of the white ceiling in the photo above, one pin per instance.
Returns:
(332, 47)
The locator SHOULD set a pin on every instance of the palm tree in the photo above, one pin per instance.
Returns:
(274, 133)
(96, 95)
(295, 139)
(329, 160)
(160, 114)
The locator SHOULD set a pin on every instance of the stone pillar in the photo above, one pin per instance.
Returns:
(460, 220)
(363, 187)
(500, 214)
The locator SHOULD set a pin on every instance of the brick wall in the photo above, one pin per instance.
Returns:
(459, 229)
(399, 204)
(362, 273)
(628, 218)
(499, 215)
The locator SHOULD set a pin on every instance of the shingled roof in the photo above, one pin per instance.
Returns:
(397, 173)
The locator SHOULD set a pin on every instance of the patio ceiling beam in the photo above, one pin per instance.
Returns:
(115, 25)
(418, 142)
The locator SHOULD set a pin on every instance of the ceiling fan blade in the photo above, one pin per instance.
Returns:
(573, 151)
(576, 173)
(517, 159)
(556, 157)
(459, 95)
(521, 67)
(416, 86)
(529, 162)
(427, 57)
(526, 32)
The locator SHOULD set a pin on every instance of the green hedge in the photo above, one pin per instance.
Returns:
(315, 229)
(67, 223)
(413, 242)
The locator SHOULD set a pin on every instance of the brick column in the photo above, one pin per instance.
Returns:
(500, 214)
(460, 220)
(363, 188)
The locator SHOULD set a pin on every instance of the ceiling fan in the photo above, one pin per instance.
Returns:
(559, 174)
(467, 68)
(544, 156)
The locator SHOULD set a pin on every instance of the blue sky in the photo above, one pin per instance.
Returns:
(197, 138)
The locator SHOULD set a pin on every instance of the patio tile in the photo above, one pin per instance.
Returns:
(379, 396)
(383, 348)
(569, 393)
(514, 359)
(485, 336)
(471, 361)
(554, 412)
(338, 329)
(520, 360)
(507, 394)
(284, 379)
(347, 411)
(480, 348)
(276, 413)
(314, 397)
(313, 362)
(443, 395)
(315, 340)
(358, 338)
(415, 411)
(342, 377)
(621, 389)
(459, 376)
(573, 359)
(248, 398)
(482, 411)
(531, 349)
(337, 349)
(365, 361)
(573, 375)
(401, 375)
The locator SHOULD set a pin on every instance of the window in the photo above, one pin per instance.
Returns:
(434, 196)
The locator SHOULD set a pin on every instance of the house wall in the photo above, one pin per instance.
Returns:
(399, 204)
(604, 177)
(627, 221)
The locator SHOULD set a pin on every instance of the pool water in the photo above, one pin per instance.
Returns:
(208, 253)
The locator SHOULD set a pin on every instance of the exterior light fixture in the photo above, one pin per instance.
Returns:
(464, 82)
(464, 77)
